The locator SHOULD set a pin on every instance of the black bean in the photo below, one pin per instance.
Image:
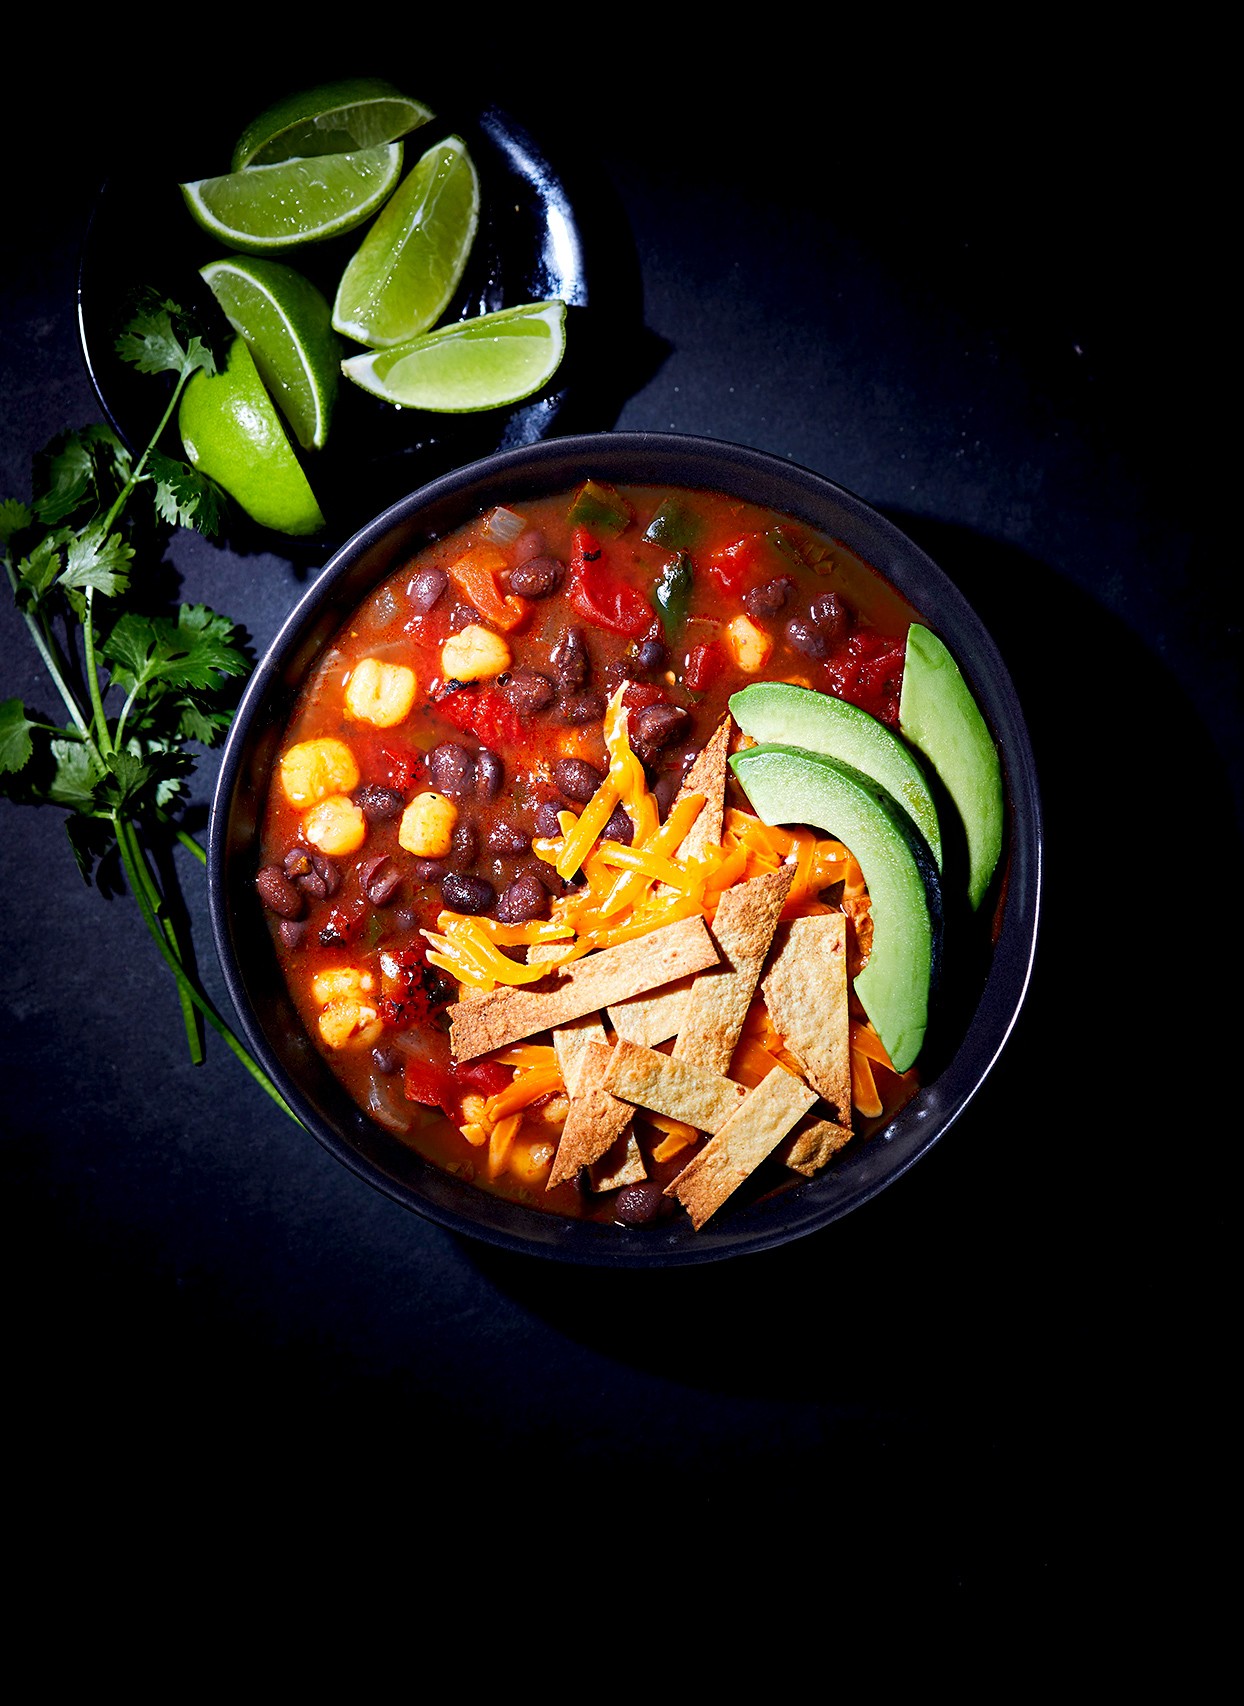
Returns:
(651, 656)
(536, 577)
(656, 726)
(489, 773)
(570, 660)
(806, 638)
(619, 828)
(547, 824)
(618, 670)
(379, 805)
(277, 892)
(636, 1205)
(506, 837)
(293, 931)
(768, 599)
(527, 690)
(379, 879)
(525, 898)
(461, 893)
(430, 870)
(386, 1060)
(463, 845)
(580, 708)
(425, 588)
(529, 544)
(321, 880)
(462, 616)
(451, 770)
(831, 616)
(544, 874)
(577, 779)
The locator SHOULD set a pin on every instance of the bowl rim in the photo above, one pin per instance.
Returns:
(654, 458)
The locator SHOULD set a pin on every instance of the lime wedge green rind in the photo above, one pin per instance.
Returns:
(484, 363)
(265, 209)
(285, 321)
(332, 118)
(402, 276)
(231, 431)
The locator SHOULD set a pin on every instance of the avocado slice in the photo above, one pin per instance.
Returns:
(789, 784)
(939, 716)
(779, 713)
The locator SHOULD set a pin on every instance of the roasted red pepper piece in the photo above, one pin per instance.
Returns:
(602, 597)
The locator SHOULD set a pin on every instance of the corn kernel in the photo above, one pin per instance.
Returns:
(473, 654)
(380, 693)
(335, 825)
(427, 826)
(337, 983)
(531, 1159)
(750, 646)
(313, 769)
(344, 1022)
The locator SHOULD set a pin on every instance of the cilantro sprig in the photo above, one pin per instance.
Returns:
(140, 688)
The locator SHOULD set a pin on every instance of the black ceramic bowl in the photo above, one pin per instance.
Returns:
(977, 1010)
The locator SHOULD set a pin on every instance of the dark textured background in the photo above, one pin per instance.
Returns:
(996, 315)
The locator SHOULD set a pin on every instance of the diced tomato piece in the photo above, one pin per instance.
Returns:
(485, 1077)
(484, 712)
(731, 565)
(705, 663)
(436, 1086)
(637, 694)
(432, 1086)
(602, 597)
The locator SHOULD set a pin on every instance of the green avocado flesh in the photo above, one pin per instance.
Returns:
(938, 715)
(788, 784)
(779, 713)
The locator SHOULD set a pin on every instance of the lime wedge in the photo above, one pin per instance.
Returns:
(285, 321)
(267, 208)
(483, 363)
(333, 118)
(408, 265)
(231, 431)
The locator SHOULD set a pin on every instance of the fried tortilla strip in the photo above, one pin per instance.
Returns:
(507, 1015)
(751, 1133)
(675, 1088)
(652, 1019)
(595, 1120)
(717, 1006)
(814, 1144)
(623, 1164)
(570, 1043)
(805, 990)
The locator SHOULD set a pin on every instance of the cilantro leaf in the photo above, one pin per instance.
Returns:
(14, 518)
(99, 562)
(16, 745)
(152, 341)
(184, 497)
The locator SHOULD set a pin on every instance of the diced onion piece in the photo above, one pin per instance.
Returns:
(503, 525)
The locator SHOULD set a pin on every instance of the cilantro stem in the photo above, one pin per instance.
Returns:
(157, 909)
(184, 983)
(51, 662)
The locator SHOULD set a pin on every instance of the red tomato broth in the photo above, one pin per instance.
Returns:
(734, 548)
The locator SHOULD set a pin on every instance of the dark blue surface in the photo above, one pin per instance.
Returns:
(998, 329)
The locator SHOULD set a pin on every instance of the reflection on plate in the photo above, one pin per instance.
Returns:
(533, 243)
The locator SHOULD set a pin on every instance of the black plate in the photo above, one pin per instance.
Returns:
(533, 243)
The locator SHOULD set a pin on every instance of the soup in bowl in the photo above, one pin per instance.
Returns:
(628, 851)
